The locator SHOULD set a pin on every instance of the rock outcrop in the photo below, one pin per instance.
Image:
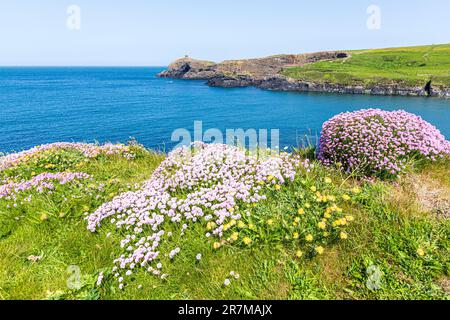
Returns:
(266, 73)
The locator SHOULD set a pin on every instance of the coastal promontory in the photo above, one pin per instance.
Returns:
(412, 71)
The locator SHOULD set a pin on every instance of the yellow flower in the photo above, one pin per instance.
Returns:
(328, 180)
(277, 187)
(216, 245)
(299, 254)
(349, 218)
(235, 236)
(251, 226)
(420, 252)
(346, 197)
(326, 234)
(297, 219)
(270, 177)
(301, 211)
(226, 227)
(43, 217)
(270, 222)
(327, 215)
(343, 235)
(296, 235)
(247, 241)
(322, 225)
(313, 189)
(307, 205)
(356, 190)
(320, 249)
(309, 238)
(241, 225)
(233, 222)
(231, 210)
(86, 208)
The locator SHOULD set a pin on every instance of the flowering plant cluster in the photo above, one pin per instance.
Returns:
(379, 142)
(39, 183)
(204, 184)
(87, 150)
(307, 218)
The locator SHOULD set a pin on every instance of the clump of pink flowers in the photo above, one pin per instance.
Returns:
(199, 184)
(88, 150)
(379, 142)
(40, 183)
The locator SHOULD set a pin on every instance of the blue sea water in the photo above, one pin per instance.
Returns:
(43, 105)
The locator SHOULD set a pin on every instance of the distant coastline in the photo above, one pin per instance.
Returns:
(410, 71)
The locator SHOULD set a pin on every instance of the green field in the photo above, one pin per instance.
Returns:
(396, 241)
(410, 66)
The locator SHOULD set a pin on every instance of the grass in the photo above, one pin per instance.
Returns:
(381, 251)
(411, 66)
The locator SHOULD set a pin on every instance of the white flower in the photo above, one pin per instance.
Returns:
(99, 279)
(227, 282)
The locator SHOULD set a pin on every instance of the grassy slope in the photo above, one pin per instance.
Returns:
(413, 66)
(388, 229)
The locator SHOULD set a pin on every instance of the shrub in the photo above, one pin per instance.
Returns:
(378, 142)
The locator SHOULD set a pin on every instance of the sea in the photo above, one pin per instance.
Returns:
(40, 105)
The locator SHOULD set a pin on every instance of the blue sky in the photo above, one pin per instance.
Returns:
(143, 33)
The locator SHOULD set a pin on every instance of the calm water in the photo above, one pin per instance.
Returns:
(42, 105)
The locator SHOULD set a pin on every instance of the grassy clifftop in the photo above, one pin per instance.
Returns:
(395, 246)
(412, 66)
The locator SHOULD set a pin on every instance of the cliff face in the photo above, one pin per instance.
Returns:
(265, 73)
(238, 72)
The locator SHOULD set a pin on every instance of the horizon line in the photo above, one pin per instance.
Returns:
(258, 57)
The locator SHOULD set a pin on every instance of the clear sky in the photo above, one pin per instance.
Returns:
(149, 32)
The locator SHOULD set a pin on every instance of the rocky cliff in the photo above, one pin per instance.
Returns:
(265, 73)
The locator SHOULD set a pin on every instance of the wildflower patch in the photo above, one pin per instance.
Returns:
(85, 149)
(215, 186)
(378, 142)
